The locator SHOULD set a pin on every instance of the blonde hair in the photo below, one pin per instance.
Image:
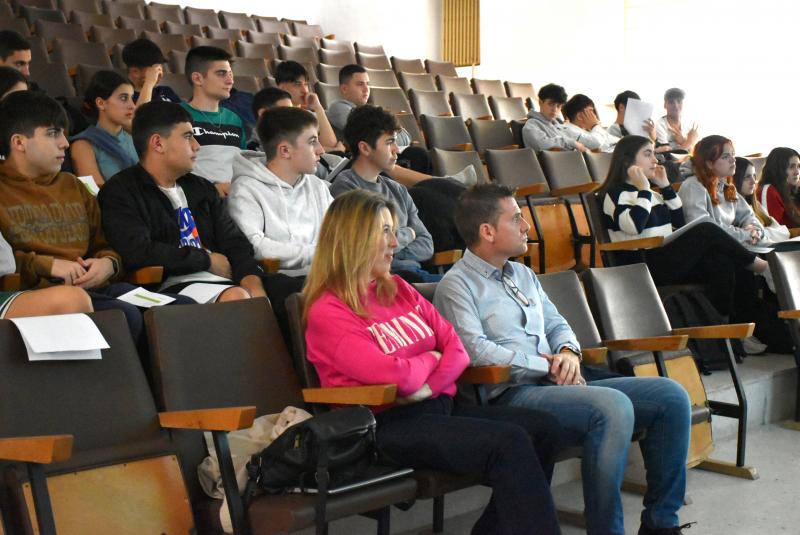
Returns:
(347, 245)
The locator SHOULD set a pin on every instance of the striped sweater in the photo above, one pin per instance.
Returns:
(631, 214)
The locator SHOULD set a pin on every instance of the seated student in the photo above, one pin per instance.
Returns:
(275, 199)
(585, 126)
(44, 302)
(370, 134)
(503, 316)
(159, 213)
(11, 80)
(293, 78)
(365, 327)
(543, 130)
(103, 150)
(219, 131)
(50, 219)
(633, 210)
(778, 187)
(745, 180)
(618, 128)
(144, 61)
(669, 129)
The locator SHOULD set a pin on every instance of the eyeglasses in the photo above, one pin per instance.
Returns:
(516, 293)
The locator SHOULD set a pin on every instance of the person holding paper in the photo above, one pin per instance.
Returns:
(633, 209)
(585, 125)
(618, 128)
(158, 213)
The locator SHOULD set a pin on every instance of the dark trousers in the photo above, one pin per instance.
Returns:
(512, 449)
(707, 255)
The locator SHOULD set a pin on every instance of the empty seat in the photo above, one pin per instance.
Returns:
(44, 4)
(86, 6)
(327, 93)
(446, 133)
(264, 38)
(223, 33)
(185, 30)
(523, 91)
(598, 164)
(409, 122)
(224, 44)
(167, 42)
(441, 68)
(164, 13)
(494, 134)
(39, 53)
(337, 44)
(471, 106)
(430, 103)
(249, 67)
(490, 88)
(337, 57)
(515, 168)
(50, 31)
(256, 50)
(272, 25)
(307, 30)
(362, 48)
(414, 66)
(87, 20)
(237, 21)
(300, 42)
(565, 169)
(139, 25)
(418, 82)
(508, 108)
(373, 61)
(177, 61)
(32, 14)
(72, 53)
(53, 78)
(329, 74)
(15, 24)
(450, 162)
(382, 78)
(178, 83)
(449, 85)
(300, 55)
(392, 99)
(248, 83)
(6, 11)
(123, 9)
(206, 18)
(110, 37)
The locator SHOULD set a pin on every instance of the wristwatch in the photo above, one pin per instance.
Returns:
(572, 350)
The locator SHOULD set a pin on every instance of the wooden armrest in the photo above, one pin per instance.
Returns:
(484, 118)
(331, 36)
(573, 190)
(463, 147)
(794, 232)
(789, 314)
(446, 258)
(372, 395)
(42, 450)
(654, 343)
(72, 71)
(445, 114)
(401, 113)
(10, 282)
(147, 275)
(754, 155)
(225, 419)
(270, 265)
(632, 245)
(735, 330)
(595, 355)
(509, 147)
(485, 375)
(533, 189)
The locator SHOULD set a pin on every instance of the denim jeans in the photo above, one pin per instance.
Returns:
(511, 449)
(602, 417)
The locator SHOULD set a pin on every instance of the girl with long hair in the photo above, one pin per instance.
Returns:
(777, 188)
(365, 326)
(745, 180)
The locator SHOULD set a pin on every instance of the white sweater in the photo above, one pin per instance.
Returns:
(281, 221)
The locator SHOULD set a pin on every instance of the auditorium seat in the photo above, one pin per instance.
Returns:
(373, 61)
(300, 55)
(508, 108)
(382, 78)
(491, 134)
(450, 162)
(249, 67)
(205, 18)
(522, 90)
(237, 21)
(87, 20)
(32, 14)
(72, 53)
(454, 85)
(338, 44)
(256, 50)
(447, 133)
(247, 83)
(49, 31)
(440, 68)
(178, 83)
(138, 24)
(167, 42)
(307, 30)
(471, 107)
(15, 24)
(362, 48)
(164, 13)
(116, 9)
(417, 82)
(433, 103)
(329, 74)
(54, 79)
(301, 42)
(392, 99)
(337, 57)
(409, 122)
(413, 66)
(84, 73)
(327, 93)
(224, 44)
(177, 61)
(490, 88)
(598, 164)
(184, 30)
(264, 38)
(272, 25)
(222, 33)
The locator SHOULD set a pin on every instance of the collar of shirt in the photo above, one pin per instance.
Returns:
(484, 268)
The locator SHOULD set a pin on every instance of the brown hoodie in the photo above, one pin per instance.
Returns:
(49, 217)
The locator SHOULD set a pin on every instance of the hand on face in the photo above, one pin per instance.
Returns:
(638, 178)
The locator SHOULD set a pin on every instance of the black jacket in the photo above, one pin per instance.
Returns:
(140, 224)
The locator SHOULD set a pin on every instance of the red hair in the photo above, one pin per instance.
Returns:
(707, 151)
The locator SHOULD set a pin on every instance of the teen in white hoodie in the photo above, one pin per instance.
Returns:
(275, 198)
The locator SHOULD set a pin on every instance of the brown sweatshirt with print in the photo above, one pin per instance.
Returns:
(46, 218)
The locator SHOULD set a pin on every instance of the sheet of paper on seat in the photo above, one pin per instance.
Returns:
(203, 292)
(63, 337)
(90, 184)
(145, 299)
(636, 113)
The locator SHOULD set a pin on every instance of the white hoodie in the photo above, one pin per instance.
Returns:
(281, 221)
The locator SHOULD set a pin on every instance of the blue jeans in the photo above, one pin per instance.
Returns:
(602, 417)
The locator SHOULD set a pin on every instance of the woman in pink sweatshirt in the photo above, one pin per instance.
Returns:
(365, 327)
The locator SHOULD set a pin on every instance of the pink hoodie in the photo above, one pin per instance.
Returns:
(392, 346)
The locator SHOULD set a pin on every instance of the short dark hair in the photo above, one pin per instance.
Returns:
(622, 98)
(155, 117)
(9, 77)
(142, 53)
(199, 57)
(576, 104)
(23, 112)
(553, 92)
(674, 93)
(478, 205)
(347, 72)
(289, 71)
(368, 123)
(282, 124)
(10, 42)
(101, 85)
(267, 97)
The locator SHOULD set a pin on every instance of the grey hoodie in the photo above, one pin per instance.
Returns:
(281, 221)
(539, 133)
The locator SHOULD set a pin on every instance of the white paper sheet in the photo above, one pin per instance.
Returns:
(636, 112)
(203, 292)
(90, 184)
(63, 337)
(687, 226)
(145, 299)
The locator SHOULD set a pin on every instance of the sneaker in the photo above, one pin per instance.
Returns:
(753, 346)
(677, 530)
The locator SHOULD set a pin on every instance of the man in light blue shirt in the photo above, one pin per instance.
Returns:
(503, 316)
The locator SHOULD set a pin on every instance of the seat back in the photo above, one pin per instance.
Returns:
(522, 90)
(138, 24)
(184, 30)
(306, 371)
(362, 48)
(329, 74)
(49, 31)
(265, 38)
(32, 14)
(256, 50)
(237, 21)
(564, 168)
(300, 55)
(409, 122)
(308, 30)
(301, 42)
(231, 34)
(785, 267)
(224, 44)
(598, 164)
(407, 65)
(373, 61)
(382, 78)
(248, 83)
(508, 108)
(15, 24)
(338, 44)
(84, 73)
(490, 134)
(249, 67)
(164, 13)
(515, 168)
(177, 81)
(110, 37)
(123, 9)
(490, 88)
(72, 53)
(327, 93)
(202, 17)
(392, 99)
(417, 81)
(53, 78)
(758, 162)
(337, 57)
(566, 292)
(471, 107)
(432, 103)
(87, 20)
(441, 68)
(454, 85)
(167, 42)
(450, 162)
(444, 132)
(272, 25)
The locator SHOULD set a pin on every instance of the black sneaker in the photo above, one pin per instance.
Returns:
(677, 530)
